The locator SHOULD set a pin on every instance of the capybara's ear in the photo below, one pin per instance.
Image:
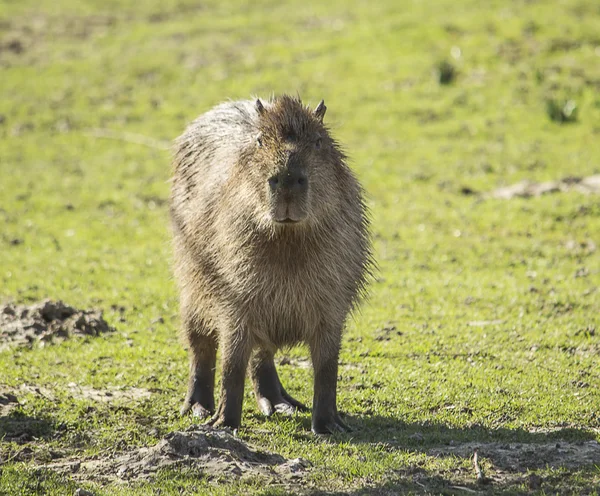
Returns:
(259, 107)
(320, 111)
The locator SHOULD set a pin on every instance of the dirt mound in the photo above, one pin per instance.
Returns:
(46, 322)
(209, 451)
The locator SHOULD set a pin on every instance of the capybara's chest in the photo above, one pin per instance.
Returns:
(288, 301)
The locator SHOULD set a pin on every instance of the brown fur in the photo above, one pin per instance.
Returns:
(271, 250)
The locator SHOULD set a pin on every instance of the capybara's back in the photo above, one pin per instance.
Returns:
(271, 249)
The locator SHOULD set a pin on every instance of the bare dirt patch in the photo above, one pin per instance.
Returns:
(520, 457)
(47, 322)
(511, 462)
(528, 189)
(21, 33)
(110, 394)
(209, 451)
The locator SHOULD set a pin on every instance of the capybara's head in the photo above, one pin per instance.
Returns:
(291, 161)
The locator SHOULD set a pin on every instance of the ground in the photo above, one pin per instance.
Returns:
(481, 329)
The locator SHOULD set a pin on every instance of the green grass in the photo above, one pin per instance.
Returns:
(91, 221)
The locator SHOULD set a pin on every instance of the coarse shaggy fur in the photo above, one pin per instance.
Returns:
(260, 266)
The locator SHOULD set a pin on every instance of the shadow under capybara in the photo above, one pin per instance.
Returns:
(272, 249)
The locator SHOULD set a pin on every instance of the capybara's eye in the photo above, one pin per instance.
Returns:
(273, 182)
(318, 143)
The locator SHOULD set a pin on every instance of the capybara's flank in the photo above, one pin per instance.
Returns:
(271, 250)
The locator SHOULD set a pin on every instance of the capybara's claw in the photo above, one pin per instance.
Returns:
(285, 408)
(265, 407)
(216, 421)
(220, 421)
(286, 405)
(200, 412)
(197, 410)
(299, 407)
(332, 425)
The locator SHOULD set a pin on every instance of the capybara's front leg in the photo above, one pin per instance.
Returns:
(325, 349)
(236, 349)
(203, 355)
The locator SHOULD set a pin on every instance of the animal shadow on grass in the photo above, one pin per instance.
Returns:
(511, 455)
(20, 435)
(387, 429)
(20, 428)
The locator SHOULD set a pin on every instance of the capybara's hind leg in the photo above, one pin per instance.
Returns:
(200, 397)
(270, 394)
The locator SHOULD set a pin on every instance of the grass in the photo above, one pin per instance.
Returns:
(84, 219)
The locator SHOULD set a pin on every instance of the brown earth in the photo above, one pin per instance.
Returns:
(520, 457)
(47, 322)
(211, 452)
(527, 189)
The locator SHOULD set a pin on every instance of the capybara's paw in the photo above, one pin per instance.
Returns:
(298, 407)
(330, 424)
(282, 406)
(285, 408)
(219, 421)
(200, 412)
(281, 403)
(197, 410)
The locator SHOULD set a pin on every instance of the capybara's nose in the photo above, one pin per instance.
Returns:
(288, 180)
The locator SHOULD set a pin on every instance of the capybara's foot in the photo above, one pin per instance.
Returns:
(226, 416)
(198, 410)
(329, 424)
(219, 421)
(279, 402)
(270, 394)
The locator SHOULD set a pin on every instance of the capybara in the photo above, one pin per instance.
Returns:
(272, 249)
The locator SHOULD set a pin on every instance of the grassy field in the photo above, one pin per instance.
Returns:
(482, 327)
